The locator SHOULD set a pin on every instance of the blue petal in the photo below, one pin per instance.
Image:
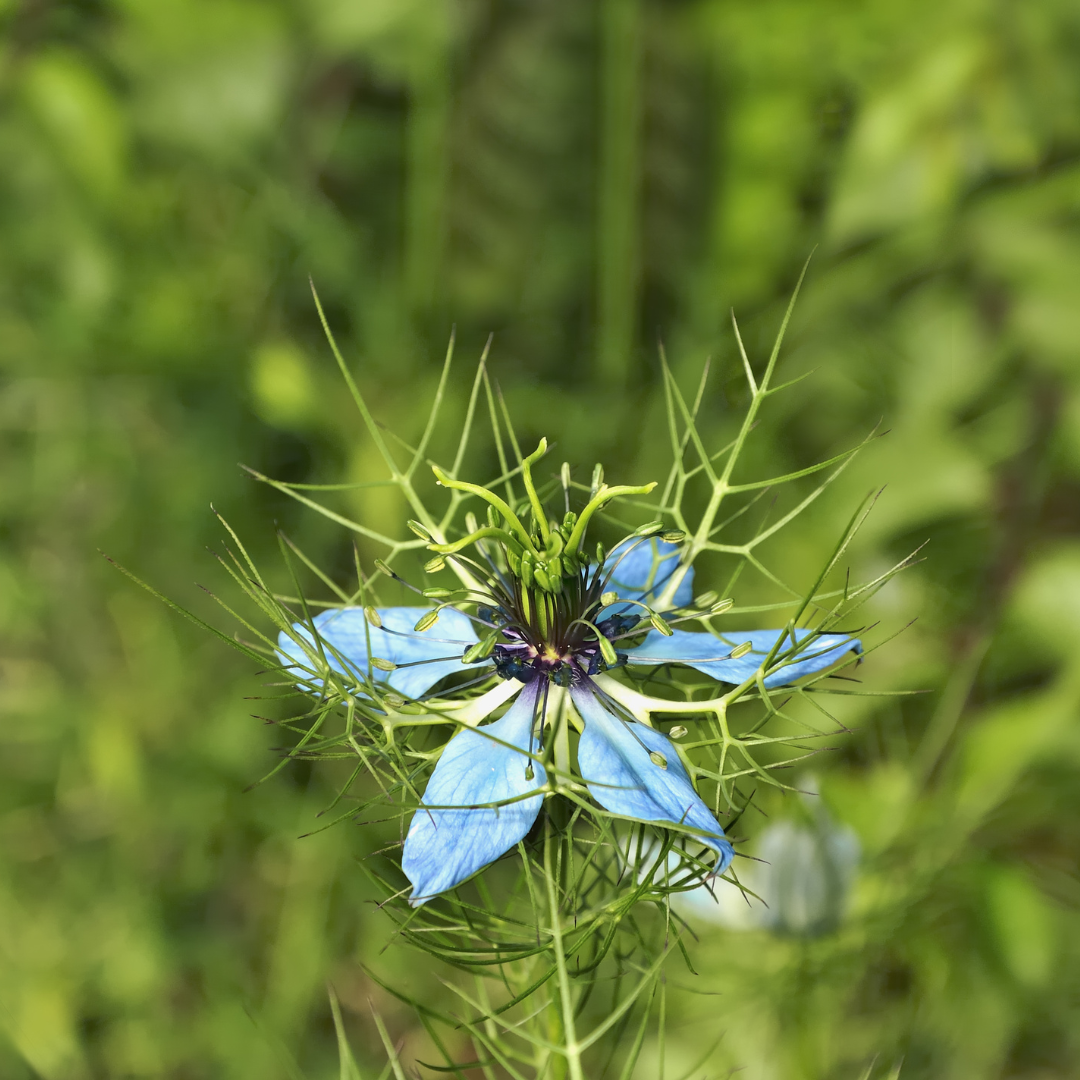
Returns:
(643, 573)
(613, 758)
(444, 847)
(705, 652)
(346, 630)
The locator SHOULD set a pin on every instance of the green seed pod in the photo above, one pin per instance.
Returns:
(372, 616)
(427, 620)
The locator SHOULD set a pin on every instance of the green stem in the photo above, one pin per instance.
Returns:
(571, 1050)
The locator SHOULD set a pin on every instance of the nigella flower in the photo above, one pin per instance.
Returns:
(548, 621)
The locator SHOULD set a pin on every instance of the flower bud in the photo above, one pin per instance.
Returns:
(384, 569)
(419, 529)
(650, 528)
(660, 624)
(675, 536)
(427, 620)
(372, 616)
(609, 598)
(741, 650)
(383, 665)
(433, 566)
(658, 759)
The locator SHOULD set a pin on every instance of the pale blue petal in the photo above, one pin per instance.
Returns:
(444, 847)
(644, 572)
(613, 758)
(704, 652)
(346, 631)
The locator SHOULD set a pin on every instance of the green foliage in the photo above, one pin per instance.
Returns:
(173, 172)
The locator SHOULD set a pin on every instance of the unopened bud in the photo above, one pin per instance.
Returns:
(658, 759)
(741, 650)
(433, 566)
(436, 594)
(383, 665)
(384, 569)
(721, 606)
(543, 579)
(372, 616)
(565, 475)
(394, 701)
(427, 621)
(419, 529)
(601, 555)
(609, 598)
(675, 536)
(660, 625)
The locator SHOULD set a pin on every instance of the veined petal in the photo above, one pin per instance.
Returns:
(613, 758)
(643, 573)
(482, 765)
(705, 653)
(348, 633)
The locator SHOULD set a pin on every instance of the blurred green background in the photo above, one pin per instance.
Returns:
(581, 177)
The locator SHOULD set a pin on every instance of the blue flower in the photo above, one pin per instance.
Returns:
(553, 620)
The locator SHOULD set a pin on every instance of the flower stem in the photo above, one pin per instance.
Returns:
(571, 1050)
